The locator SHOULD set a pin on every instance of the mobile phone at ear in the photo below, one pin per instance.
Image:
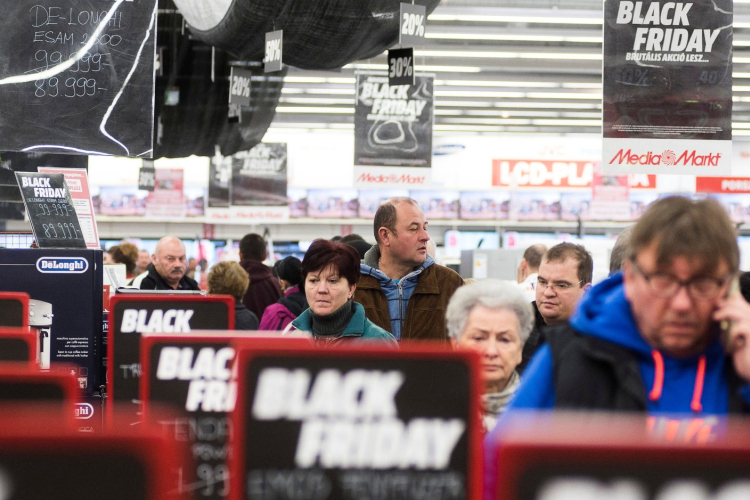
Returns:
(726, 325)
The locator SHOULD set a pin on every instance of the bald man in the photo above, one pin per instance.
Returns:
(167, 268)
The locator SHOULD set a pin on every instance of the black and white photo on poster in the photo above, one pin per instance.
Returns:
(219, 180)
(259, 176)
(667, 87)
(393, 124)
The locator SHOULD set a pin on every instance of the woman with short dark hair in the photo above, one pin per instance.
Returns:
(330, 272)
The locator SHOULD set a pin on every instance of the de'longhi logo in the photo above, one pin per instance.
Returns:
(62, 265)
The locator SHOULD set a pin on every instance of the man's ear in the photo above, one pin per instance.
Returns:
(587, 287)
(524, 265)
(241, 257)
(627, 277)
(153, 258)
(384, 235)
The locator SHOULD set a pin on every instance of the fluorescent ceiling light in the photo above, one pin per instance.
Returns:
(513, 38)
(462, 54)
(548, 105)
(581, 85)
(560, 95)
(484, 83)
(313, 109)
(516, 19)
(468, 93)
(346, 91)
(316, 100)
(568, 123)
(463, 104)
(740, 125)
(420, 67)
(740, 88)
(740, 75)
(317, 79)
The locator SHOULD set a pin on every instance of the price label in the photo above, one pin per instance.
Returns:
(274, 48)
(412, 24)
(239, 86)
(50, 208)
(401, 67)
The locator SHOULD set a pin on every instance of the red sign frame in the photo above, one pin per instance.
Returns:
(23, 298)
(27, 336)
(226, 299)
(420, 351)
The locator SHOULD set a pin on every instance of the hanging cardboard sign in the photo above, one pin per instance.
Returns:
(667, 87)
(131, 316)
(412, 24)
(274, 48)
(356, 423)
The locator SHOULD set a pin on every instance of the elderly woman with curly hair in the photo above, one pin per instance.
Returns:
(495, 319)
(229, 278)
(330, 272)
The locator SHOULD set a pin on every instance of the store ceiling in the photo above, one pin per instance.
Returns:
(530, 66)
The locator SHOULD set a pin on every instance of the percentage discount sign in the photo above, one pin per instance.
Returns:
(412, 24)
(239, 86)
(401, 67)
(274, 48)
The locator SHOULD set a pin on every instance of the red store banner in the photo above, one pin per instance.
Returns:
(555, 174)
(722, 185)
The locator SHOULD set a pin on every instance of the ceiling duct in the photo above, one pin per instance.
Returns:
(318, 34)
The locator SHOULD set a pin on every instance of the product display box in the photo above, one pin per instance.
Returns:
(65, 305)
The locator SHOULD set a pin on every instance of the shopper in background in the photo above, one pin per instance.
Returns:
(330, 272)
(617, 257)
(144, 259)
(402, 289)
(358, 242)
(495, 319)
(228, 278)
(277, 316)
(565, 273)
(167, 268)
(192, 266)
(528, 269)
(125, 253)
(264, 289)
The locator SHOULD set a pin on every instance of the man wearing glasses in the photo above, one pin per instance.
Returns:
(650, 339)
(565, 273)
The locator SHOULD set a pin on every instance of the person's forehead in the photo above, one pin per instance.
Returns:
(492, 319)
(682, 266)
(406, 213)
(559, 269)
(173, 248)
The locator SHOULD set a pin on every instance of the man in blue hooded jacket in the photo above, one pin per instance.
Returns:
(649, 339)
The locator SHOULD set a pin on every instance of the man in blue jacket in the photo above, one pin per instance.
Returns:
(649, 339)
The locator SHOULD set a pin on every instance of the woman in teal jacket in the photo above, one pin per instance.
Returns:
(330, 272)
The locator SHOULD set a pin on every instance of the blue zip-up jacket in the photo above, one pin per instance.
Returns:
(397, 292)
(673, 386)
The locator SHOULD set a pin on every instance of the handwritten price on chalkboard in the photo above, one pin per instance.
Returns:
(80, 87)
(60, 209)
(68, 231)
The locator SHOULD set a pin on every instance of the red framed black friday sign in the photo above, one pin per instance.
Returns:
(41, 459)
(14, 310)
(133, 315)
(193, 376)
(18, 345)
(346, 423)
(546, 456)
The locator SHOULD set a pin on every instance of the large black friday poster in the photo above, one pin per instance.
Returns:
(393, 132)
(667, 87)
(356, 426)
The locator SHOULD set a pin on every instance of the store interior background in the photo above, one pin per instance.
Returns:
(514, 80)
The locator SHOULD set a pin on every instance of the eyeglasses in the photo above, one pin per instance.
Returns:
(561, 286)
(666, 285)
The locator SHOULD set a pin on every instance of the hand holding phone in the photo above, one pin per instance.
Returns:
(733, 314)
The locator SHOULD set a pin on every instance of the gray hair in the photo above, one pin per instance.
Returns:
(492, 294)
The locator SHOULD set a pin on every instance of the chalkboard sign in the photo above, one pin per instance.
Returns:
(77, 76)
(357, 423)
(130, 316)
(51, 212)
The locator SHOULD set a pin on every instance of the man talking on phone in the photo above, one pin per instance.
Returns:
(649, 339)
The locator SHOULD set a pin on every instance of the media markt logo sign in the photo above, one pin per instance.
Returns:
(67, 265)
(668, 157)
